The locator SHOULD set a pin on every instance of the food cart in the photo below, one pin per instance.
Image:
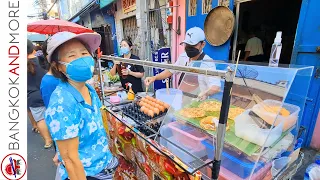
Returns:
(174, 135)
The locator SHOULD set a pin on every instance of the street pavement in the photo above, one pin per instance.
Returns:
(40, 165)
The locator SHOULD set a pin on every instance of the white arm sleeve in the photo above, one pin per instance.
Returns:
(182, 60)
(206, 82)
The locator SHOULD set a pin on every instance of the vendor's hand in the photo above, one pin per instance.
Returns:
(149, 80)
(203, 96)
(56, 160)
(125, 72)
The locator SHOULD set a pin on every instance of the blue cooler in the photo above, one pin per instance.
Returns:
(232, 161)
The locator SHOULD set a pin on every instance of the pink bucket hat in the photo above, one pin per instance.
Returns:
(93, 40)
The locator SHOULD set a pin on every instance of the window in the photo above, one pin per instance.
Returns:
(224, 3)
(206, 6)
(192, 7)
(130, 31)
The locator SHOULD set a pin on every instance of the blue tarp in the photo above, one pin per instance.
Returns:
(37, 37)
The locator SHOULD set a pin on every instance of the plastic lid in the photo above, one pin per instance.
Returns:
(278, 37)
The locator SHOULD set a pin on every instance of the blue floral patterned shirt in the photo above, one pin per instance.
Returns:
(69, 116)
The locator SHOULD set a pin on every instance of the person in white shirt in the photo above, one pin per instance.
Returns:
(194, 44)
(254, 50)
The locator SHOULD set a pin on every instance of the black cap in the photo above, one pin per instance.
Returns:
(30, 47)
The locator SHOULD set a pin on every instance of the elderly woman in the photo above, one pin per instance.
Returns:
(73, 113)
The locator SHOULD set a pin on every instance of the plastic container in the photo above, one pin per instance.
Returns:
(262, 174)
(313, 170)
(236, 163)
(269, 117)
(115, 99)
(279, 164)
(187, 135)
(247, 129)
(173, 97)
(123, 95)
(199, 151)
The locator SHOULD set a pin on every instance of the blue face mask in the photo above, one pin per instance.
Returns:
(124, 50)
(81, 69)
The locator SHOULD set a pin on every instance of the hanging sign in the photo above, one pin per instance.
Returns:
(128, 5)
(162, 56)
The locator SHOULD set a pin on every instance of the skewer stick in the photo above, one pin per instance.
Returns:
(167, 86)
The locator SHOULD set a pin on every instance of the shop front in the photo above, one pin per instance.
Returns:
(103, 23)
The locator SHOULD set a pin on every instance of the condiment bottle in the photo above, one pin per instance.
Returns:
(123, 66)
(119, 69)
(131, 94)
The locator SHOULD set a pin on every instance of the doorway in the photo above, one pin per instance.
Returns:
(265, 18)
(106, 41)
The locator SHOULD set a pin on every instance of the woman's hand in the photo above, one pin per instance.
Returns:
(149, 80)
(125, 72)
(69, 153)
(203, 96)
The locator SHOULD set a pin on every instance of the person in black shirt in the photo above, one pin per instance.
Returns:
(34, 101)
(129, 73)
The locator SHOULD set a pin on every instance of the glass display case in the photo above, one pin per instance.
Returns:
(176, 131)
(263, 121)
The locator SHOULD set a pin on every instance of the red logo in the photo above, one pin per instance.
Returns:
(13, 166)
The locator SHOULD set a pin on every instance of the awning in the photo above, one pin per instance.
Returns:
(104, 3)
(75, 20)
(91, 6)
(37, 37)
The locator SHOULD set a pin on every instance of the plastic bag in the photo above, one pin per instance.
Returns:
(314, 174)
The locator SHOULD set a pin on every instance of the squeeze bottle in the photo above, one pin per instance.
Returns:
(130, 93)
(276, 50)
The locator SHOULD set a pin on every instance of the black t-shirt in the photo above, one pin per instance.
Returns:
(33, 85)
(136, 82)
